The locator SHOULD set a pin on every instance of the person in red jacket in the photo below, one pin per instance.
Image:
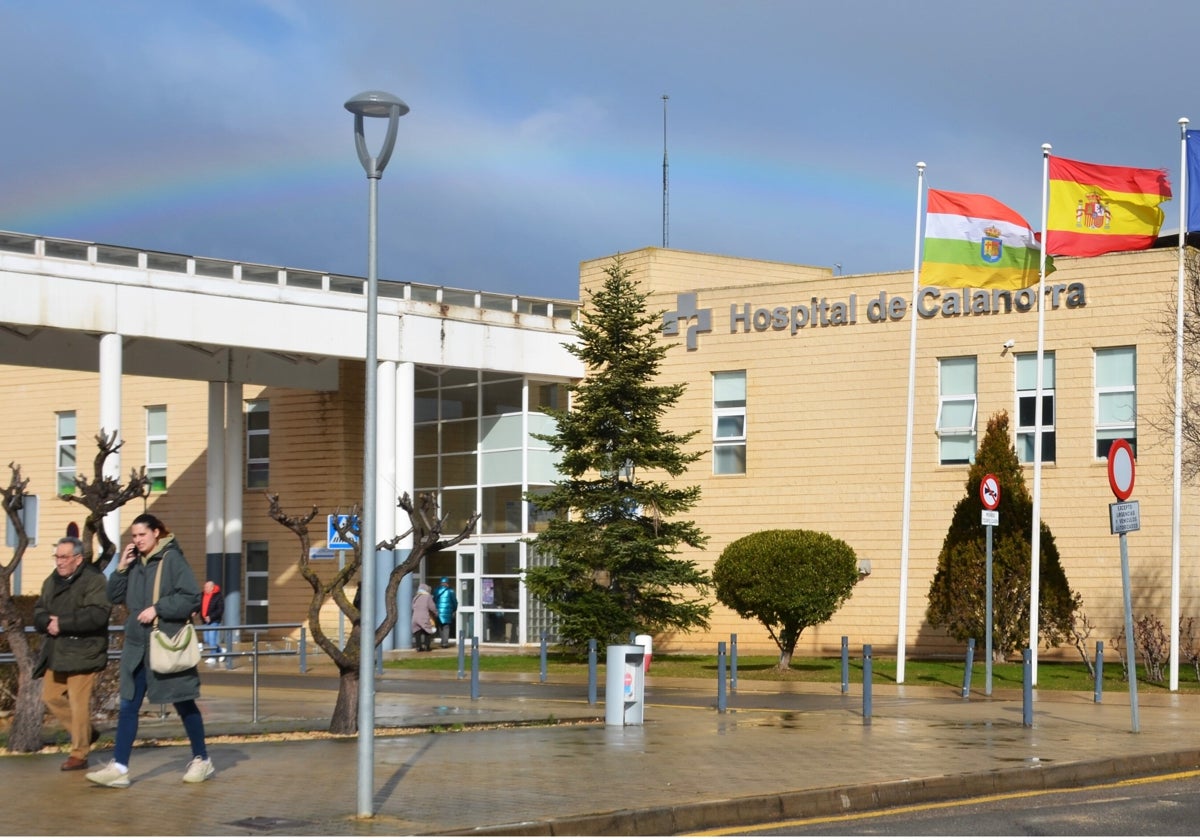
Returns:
(212, 610)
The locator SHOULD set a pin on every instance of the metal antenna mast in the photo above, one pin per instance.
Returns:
(666, 193)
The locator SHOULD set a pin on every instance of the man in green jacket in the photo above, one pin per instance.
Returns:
(73, 612)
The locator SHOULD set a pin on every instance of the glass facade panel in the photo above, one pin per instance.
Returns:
(501, 432)
(458, 402)
(425, 439)
(502, 508)
(543, 395)
(502, 397)
(460, 435)
(502, 467)
(543, 466)
(458, 470)
(457, 507)
(425, 474)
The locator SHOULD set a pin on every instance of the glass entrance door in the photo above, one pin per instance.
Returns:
(467, 589)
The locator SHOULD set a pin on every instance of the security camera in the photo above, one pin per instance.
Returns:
(1008, 345)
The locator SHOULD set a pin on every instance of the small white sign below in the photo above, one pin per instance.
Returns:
(1124, 517)
(991, 517)
(321, 554)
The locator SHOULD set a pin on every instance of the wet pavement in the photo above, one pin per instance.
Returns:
(533, 757)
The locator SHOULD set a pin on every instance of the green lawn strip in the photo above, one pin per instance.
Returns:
(1052, 676)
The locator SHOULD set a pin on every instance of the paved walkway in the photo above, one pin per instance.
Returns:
(780, 750)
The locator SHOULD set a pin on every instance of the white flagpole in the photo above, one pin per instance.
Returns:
(1177, 467)
(902, 623)
(1035, 538)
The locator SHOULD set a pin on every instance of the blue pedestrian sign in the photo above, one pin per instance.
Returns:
(332, 539)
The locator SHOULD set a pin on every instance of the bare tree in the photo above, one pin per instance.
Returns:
(1167, 327)
(25, 734)
(102, 495)
(425, 527)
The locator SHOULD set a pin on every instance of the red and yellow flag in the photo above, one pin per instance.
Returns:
(1096, 209)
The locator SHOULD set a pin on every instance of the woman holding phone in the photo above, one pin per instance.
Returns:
(153, 557)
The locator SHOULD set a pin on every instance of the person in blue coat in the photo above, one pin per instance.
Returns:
(443, 598)
(153, 553)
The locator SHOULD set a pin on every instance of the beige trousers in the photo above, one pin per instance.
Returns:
(69, 698)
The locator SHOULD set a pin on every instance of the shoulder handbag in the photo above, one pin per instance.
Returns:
(171, 654)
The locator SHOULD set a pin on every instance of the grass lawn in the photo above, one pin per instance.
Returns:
(1052, 676)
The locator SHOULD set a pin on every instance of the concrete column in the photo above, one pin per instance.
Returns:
(111, 363)
(214, 499)
(385, 487)
(405, 414)
(232, 547)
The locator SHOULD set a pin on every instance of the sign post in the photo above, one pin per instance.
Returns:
(989, 494)
(1125, 516)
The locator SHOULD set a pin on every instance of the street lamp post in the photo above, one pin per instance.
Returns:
(372, 103)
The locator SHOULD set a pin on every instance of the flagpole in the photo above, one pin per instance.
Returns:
(1177, 466)
(902, 623)
(1035, 538)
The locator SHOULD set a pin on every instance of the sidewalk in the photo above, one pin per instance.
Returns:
(781, 750)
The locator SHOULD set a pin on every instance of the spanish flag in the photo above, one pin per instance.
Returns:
(1096, 209)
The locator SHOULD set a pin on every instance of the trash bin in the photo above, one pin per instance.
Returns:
(648, 643)
(624, 685)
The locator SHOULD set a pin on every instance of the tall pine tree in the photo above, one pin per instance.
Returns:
(607, 564)
(957, 595)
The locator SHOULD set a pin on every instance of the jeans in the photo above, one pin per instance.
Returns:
(127, 721)
(212, 637)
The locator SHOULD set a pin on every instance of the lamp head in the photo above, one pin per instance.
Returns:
(375, 103)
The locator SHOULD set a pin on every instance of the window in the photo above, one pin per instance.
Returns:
(258, 578)
(258, 443)
(65, 454)
(1116, 398)
(156, 447)
(729, 422)
(1027, 406)
(957, 408)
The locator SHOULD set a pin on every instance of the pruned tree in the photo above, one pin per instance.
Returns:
(1167, 327)
(788, 580)
(101, 495)
(426, 529)
(609, 556)
(957, 594)
(25, 733)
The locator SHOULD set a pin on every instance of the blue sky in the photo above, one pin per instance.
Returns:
(535, 141)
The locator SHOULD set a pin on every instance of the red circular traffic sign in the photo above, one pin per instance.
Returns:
(989, 491)
(1121, 469)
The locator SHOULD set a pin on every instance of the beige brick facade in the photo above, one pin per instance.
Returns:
(826, 420)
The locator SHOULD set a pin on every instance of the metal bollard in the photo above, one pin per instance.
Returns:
(303, 651)
(845, 664)
(462, 654)
(1099, 672)
(474, 667)
(966, 689)
(866, 684)
(591, 672)
(542, 673)
(1027, 687)
(254, 681)
(733, 662)
(721, 677)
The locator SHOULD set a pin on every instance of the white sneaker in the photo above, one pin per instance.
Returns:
(109, 776)
(198, 770)
(210, 661)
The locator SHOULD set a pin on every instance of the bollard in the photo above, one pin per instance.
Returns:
(591, 672)
(542, 673)
(254, 683)
(845, 664)
(379, 660)
(733, 662)
(1099, 672)
(721, 677)
(474, 667)
(966, 690)
(303, 651)
(462, 654)
(866, 684)
(1027, 687)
